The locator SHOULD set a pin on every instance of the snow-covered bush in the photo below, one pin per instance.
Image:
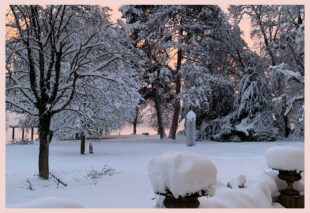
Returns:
(94, 175)
(254, 95)
(287, 86)
(209, 96)
(252, 119)
(258, 129)
(181, 174)
(285, 158)
(214, 129)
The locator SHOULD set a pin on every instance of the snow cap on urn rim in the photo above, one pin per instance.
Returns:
(285, 158)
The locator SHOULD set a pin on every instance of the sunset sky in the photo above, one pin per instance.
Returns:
(244, 24)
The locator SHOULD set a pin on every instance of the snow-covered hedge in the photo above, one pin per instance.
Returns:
(182, 174)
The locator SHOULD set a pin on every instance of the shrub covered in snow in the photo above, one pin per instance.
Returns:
(258, 128)
(203, 93)
(287, 85)
(182, 174)
(252, 118)
(285, 158)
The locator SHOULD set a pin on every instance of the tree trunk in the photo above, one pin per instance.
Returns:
(177, 104)
(82, 144)
(134, 129)
(44, 125)
(13, 133)
(265, 37)
(176, 112)
(287, 128)
(135, 121)
(161, 130)
(23, 134)
(32, 133)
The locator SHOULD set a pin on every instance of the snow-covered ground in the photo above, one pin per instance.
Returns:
(126, 184)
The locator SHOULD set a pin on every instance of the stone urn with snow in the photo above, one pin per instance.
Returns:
(180, 178)
(289, 161)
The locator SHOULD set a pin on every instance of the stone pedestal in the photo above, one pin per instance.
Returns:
(186, 202)
(289, 197)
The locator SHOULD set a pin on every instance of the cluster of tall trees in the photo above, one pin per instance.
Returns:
(199, 60)
(71, 70)
(175, 38)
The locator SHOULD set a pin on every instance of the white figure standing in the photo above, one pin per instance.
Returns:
(190, 129)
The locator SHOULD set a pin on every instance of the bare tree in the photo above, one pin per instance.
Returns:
(54, 49)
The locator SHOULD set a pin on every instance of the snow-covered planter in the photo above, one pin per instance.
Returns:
(289, 161)
(182, 177)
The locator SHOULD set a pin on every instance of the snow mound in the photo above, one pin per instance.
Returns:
(241, 180)
(49, 202)
(237, 182)
(182, 173)
(258, 193)
(285, 158)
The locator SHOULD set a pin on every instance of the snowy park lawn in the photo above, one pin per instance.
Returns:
(126, 184)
